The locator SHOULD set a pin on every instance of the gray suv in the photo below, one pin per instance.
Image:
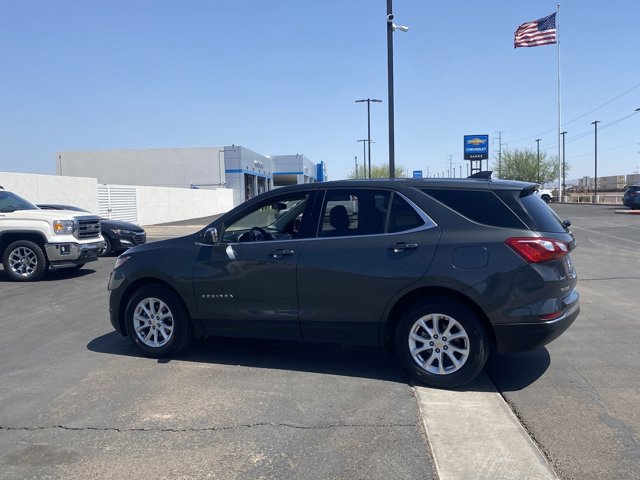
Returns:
(443, 270)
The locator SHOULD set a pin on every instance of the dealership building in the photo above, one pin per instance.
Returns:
(238, 168)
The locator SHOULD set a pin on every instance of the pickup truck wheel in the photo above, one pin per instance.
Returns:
(24, 261)
(442, 343)
(546, 198)
(157, 322)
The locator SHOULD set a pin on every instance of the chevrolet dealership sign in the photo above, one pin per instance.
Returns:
(476, 147)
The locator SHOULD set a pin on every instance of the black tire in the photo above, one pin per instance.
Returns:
(171, 329)
(468, 342)
(108, 248)
(24, 261)
(546, 198)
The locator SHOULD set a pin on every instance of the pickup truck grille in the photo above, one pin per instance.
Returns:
(88, 228)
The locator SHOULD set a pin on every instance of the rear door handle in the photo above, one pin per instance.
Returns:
(401, 247)
(279, 253)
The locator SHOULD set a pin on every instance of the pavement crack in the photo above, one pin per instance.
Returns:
(208, 429)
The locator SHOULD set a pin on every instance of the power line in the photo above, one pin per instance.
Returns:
(581, 116)
(588, 133)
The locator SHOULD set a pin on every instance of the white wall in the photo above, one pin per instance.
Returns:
(78, 191)
(160, 204)
(161, 167)
(155, 204)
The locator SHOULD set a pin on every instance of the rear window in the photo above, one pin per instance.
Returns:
(481, 206)
(532, 210)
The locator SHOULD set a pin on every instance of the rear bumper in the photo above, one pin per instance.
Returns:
(520, 337)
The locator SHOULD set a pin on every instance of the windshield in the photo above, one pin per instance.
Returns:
(10, 202)
(270, 216)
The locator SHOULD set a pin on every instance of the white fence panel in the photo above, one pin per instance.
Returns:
(118, 202)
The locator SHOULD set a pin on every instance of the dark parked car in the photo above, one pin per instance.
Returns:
(443, 270)
(118, 235)
(631, 197)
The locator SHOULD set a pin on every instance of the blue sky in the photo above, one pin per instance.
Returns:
(281, 77)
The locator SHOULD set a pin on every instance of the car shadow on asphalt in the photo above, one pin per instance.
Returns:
(330, 359)
(515, 371)
(53, 275)
(333, 359)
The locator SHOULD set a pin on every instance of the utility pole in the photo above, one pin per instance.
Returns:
(451, 165)
(564, 167)
(500, 153)
(538, 143)
(356, 166)
(595, 150)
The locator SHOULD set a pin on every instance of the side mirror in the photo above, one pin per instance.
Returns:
(279, 206)
(211, 236)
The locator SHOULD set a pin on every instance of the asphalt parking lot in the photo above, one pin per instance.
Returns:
(77, 401)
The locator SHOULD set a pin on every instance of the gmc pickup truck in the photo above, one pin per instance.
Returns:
(33, 241)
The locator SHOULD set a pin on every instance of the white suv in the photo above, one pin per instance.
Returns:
(545, 194)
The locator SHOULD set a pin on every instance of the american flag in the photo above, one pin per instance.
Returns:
(534, 34)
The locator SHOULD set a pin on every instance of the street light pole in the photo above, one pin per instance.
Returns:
(356, 166)
(392, 160)
(595, 150)
(391, 27)
(368, 100)
(538, 143)
(364, 159)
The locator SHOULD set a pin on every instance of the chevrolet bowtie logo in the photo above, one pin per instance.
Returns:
(477, 141)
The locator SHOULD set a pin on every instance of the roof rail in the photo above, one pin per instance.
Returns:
(485, 175)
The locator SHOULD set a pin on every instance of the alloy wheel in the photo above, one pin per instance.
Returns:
(153, 322)
(23, 261)
(439, 344)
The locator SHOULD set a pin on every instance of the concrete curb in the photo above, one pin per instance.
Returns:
(474, 434)
(629, 212)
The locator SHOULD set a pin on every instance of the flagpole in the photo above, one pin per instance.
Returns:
(560, 163)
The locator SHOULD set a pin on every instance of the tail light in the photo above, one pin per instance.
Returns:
(538, 249)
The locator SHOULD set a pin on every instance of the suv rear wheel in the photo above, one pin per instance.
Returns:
(24, 261)
(442, 342)
(157, 322)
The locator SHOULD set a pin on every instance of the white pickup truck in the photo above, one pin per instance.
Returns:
(32, 240)
(545, 194)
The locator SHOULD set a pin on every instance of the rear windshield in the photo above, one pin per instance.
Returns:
(533, 210)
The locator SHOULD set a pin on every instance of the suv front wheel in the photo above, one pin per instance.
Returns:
(442, 342)
(157, 322)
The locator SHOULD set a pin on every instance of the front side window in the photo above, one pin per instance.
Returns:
(276, 220)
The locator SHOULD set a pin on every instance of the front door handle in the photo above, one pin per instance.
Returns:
(401, 247)
(279, 253)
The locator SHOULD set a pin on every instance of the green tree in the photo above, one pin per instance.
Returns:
(523, 165)
(379, 171)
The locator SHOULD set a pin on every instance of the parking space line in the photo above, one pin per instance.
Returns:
(474, 434)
